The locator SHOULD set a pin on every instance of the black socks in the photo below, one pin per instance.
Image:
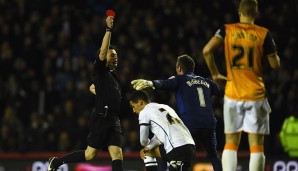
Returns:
(151, 168)
(77, 156)
(117, 165)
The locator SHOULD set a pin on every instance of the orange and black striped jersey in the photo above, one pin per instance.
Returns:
(245, 45)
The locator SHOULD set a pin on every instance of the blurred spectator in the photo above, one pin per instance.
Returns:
(12, 134)
(64, 142)
(35, 132)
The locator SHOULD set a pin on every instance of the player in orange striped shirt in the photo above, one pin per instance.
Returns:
(245, 104)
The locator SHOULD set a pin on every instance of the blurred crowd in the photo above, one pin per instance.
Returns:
(47, 49)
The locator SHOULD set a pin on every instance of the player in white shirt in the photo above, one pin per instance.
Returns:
(172, 140)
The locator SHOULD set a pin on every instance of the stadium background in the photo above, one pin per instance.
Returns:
(47, 49)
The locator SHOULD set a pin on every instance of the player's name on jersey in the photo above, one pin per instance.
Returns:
(194, 81)
(243, 35)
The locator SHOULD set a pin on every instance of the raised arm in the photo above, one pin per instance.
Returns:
(106, 39)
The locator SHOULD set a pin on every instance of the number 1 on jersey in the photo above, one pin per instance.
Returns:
(201, 97)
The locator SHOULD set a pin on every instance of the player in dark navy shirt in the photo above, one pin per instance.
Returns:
(194, 101)
(104, 124)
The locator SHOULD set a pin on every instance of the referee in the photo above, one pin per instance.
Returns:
(104, 124)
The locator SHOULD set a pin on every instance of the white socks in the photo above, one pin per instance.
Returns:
(229, 160)
(257, 162)
(150, 161)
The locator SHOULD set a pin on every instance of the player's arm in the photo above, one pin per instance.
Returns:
(92, 89)
(169, 84)
(208, 50)
(274, 60)
(270, 50)
(151, 149)
(144, 134)
(216, 89)
(154, 142)
(214, 43)
(106, 39)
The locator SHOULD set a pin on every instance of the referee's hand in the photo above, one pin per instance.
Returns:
(110, 22)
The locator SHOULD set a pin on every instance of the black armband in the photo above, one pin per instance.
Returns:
(108, 29)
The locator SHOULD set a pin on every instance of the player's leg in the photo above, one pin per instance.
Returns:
(150, 163)
(162, 165)
(208, 140)
(114, 143)
(233, 122)
(229, 155)
(257, 157)
(257, 124)
(180, 158)
(188, 157)
(150, 159)
(117, 158)
(77, 156)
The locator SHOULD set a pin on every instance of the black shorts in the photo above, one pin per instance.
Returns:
(104, 132)
(185, 153)
(105, 138)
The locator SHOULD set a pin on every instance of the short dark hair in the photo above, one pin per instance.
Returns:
(186, 63)
(249, 8)
(139, 95)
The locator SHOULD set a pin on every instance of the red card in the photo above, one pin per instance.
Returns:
(110, 13)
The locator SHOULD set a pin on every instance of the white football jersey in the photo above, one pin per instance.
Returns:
(165, 124)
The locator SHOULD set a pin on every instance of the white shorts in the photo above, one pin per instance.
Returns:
(248, 116)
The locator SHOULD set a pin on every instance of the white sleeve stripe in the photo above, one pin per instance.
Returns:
(218, 36)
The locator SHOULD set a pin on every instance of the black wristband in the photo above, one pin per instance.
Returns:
(108, 29)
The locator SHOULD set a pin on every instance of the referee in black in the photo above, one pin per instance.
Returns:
(104, 124)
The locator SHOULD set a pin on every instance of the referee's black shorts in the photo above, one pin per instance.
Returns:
(104, 132)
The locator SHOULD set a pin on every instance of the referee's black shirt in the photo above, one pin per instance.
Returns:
(108, 90)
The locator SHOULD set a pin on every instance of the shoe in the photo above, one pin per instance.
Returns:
(51, 164)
